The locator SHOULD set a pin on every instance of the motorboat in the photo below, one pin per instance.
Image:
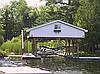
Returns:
(46, 52)
(30, 56)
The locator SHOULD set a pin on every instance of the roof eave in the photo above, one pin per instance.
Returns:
(57, 21)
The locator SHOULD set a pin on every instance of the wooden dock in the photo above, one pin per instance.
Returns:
(31, 57)
(83, 58)
(78, 57)
(15, 56)
(87, 58)
(22, 70)
(25, 56)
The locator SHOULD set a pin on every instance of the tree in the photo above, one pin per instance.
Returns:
(65, 12)
(1, 34)
(13, 18)
(1, 31)
(87, 16)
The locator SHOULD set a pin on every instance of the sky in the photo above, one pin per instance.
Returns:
(32, 3)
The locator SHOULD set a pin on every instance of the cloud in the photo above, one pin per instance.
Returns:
(4, 2)
(32, 3)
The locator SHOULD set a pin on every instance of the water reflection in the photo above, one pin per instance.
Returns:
(11, 63)
(58, 65)
(62, 66)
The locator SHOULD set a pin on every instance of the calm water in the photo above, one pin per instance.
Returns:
(62, 66)
(59, 65)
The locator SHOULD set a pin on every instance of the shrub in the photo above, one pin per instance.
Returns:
(14, 45)
(2, 53)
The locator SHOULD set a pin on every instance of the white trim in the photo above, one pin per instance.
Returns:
(74, 26)
(44, 36)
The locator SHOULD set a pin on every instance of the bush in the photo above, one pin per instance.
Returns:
(86, 54)
(3, 53)
(14, 45)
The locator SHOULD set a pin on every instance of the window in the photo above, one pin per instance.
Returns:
(57, 28)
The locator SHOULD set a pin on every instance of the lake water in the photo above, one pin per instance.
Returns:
(60, 65)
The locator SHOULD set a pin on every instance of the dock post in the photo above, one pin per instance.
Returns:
(68, 46)
(34, 45)
(77, 45)
(72, 47)
(66, 52)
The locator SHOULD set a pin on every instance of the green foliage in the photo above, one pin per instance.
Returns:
(65, 13)
(13, 18)
(3, 53)
(28, 46)
(86, 54)
(52, 43)
(17, 15)
(1, 39)
(87, 16)
(14, 45)
(1, 33)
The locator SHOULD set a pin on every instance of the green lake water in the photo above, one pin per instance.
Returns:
(61, 66)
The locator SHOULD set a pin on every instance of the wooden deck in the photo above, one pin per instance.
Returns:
(22, 70)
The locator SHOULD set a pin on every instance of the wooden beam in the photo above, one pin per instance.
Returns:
(73, 47)
(77, 45)
(34, 45)
(66, 49)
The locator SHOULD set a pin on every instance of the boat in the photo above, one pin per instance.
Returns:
(30, 56)
(45, 51)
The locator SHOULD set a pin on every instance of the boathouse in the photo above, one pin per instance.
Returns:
(56, 30)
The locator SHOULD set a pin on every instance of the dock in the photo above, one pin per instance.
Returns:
(31, 57)
(78, 57)
(25, 56)
(83, 58)
(15, 56)
(87, 58)
(22, 70)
